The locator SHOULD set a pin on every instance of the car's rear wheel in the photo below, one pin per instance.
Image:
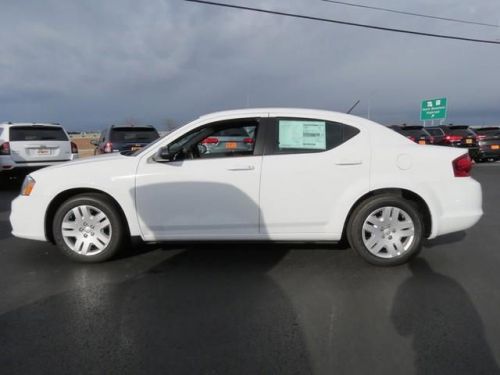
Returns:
(88, 228)
(386, 230)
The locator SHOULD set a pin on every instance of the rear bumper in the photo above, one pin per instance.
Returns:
(7, 164)
(487, 152)
(459, 206)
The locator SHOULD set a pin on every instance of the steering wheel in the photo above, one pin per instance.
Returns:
(191, 152)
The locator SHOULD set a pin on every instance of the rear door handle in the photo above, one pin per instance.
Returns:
(241, 168)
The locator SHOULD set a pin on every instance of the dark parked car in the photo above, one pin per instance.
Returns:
(488, 139)
(437, 134)
(125, 138)
(461, 136)
(416, 133)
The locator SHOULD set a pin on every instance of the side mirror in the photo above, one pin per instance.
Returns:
(168, 153)
(94, 142)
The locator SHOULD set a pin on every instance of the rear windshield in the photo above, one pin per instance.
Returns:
(461, 132)
(37, 133)
(488, 131)
(134, 135)
(435, 132)
(413, 132)
(233, 132)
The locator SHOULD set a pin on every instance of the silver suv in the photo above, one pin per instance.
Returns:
(28, 146)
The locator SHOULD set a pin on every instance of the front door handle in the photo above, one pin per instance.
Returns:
(241, 168)
(348, 162)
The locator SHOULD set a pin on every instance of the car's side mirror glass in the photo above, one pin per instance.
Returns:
(168, 153)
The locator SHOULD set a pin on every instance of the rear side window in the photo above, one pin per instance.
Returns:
(134, 135)
(37, 133)
(233, 132)
(298, 135)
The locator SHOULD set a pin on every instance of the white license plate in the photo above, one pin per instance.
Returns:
(42, 151)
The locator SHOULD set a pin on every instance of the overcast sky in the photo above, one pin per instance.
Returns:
(88, 64)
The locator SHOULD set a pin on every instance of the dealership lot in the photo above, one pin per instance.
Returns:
(242, 309)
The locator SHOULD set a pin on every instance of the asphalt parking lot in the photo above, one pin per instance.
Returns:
(255, 309)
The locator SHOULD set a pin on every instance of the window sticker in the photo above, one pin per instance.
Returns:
(302, 134)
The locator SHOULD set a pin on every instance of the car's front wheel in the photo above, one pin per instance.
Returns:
(88, 228)
(386, 230)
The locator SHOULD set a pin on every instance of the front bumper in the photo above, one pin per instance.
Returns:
(27, 217)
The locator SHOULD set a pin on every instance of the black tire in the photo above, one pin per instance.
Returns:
(119, 231)
(354, 229)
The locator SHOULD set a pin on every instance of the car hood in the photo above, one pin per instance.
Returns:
(91, 168)
(104, 158)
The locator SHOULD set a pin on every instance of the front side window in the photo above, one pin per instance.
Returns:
(298, 135)
(221, 139)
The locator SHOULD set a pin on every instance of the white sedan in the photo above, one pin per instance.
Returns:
(307, 175)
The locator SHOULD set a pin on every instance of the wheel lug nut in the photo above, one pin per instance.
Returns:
(85, 235)
(81, 229)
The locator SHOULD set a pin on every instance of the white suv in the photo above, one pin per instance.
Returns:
(29, 146)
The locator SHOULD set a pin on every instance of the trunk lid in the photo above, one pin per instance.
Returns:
(39, 143)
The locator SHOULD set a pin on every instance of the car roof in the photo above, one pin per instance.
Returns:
(334, 116)
(131, 126)
(456, 126)
(411, 127)
(487, 128)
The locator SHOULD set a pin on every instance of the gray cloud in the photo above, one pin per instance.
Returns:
(88, 64)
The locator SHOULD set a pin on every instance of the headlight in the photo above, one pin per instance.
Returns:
(28, 185)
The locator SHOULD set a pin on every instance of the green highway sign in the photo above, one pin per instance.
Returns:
(433, 109)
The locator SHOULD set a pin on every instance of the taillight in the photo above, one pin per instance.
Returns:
(462, 166)
(431, 139)
(5, 149)
(74, 148)
(108, 147)
(210, 140)
(453, 138)
(248, 140)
